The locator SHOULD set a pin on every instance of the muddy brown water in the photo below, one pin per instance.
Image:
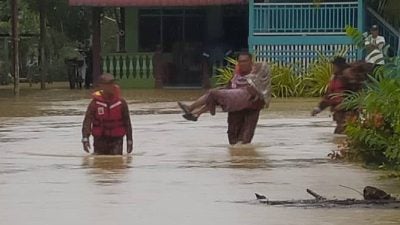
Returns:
(180, 173)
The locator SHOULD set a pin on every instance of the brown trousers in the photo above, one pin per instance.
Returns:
(341, 117)
(242, 125)
(108, 145)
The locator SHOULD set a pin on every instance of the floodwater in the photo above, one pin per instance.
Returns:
(180, 173)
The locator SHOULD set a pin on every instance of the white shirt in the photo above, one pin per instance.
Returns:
(376, 55)
(379, 41)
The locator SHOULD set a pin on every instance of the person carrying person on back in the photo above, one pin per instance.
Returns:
(332, 97)
(107, 120)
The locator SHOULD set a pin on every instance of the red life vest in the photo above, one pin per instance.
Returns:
(108, 121)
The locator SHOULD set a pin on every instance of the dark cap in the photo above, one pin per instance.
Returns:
(374, 28)
(338, 60)
(106, 79)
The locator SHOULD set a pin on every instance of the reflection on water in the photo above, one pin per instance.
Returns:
(246, 156)
(107, 170)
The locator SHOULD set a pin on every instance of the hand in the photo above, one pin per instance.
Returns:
(129, 146)
(315, 111)
(86, 146)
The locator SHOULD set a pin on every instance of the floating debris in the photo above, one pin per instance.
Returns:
(373, 197)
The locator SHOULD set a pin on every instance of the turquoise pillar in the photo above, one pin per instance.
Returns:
(361, 23)
(251, 26)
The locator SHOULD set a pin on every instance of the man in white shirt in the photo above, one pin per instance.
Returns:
(374, 45)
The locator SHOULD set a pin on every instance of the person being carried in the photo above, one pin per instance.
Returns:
(255, 87)
(107, 120)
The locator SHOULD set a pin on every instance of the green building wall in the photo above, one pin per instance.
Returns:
(131, 29)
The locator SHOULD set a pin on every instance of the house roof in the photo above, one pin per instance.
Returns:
(153, 2)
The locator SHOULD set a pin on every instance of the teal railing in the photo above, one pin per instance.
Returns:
(296, 31)
(297, 18)
(131, 69)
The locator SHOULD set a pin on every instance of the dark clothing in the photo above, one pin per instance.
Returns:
(340, 84)
(341, 117)
(103, 144)
(108, 145)
(242, 125)
(332, 97)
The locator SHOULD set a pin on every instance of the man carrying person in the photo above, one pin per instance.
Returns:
(247, 93)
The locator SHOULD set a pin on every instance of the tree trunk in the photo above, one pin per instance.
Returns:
(43, 38)
(15, 44)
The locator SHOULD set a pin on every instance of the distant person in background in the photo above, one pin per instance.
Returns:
(374, 44)
(107, 120)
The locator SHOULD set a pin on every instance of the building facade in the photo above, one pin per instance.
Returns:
(176, 43)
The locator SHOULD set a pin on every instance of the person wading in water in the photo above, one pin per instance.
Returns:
(247, 93)
(107, 120)
(346, 78)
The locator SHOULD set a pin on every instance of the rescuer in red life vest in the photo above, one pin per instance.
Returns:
(107, 120)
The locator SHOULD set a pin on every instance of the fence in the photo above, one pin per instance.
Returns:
(298, 18)
(131, 69)
(295, 32)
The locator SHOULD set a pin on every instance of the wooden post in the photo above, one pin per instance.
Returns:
(43, 43)
(15, 41)
(96, 44)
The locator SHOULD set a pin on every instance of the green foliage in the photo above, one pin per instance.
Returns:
(375, 135)
(357, 37)
(225, 74)
(285, 83)
(319, 73)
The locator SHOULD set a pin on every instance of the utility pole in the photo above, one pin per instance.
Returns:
(43, 43)
(15, 44)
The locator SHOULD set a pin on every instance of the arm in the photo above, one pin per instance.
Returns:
(261, 82)
(128, 126)
(332, 96)
(87, 126)
(268, 94)
(381, 43)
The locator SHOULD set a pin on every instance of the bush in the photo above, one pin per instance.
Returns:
(285, 83)
(225, 74)
(375, 135)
